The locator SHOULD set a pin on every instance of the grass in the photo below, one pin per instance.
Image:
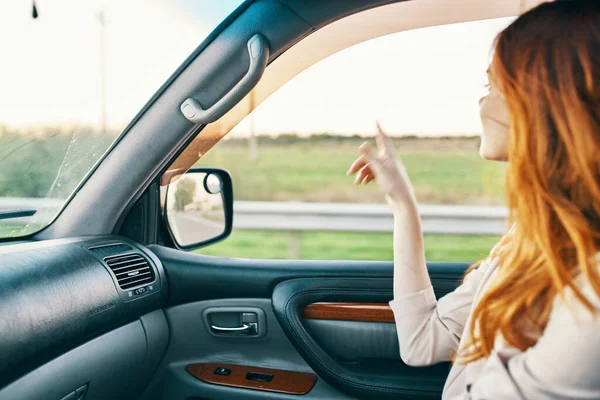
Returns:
(347, 246)
(441, 173)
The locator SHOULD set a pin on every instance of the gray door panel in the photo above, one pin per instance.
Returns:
(355, 340)
(339, 352)
(369, 378)
(191, 341)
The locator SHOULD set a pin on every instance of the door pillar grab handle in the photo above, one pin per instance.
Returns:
(258, 52)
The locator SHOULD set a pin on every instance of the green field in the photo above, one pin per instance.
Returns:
(442, 172)
(347, 246)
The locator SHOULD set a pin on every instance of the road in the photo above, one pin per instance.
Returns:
(190, 228)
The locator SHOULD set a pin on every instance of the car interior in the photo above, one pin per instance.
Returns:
(106, 303)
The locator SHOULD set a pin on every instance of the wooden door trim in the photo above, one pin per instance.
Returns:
(367, 312)
(290, 382)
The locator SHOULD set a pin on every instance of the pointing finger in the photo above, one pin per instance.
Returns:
(384, 142)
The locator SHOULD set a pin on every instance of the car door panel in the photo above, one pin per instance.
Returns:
(352, 341)
(369, 375)
(192, 342)
(354, 354)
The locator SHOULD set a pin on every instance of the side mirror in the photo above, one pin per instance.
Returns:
(199, 207)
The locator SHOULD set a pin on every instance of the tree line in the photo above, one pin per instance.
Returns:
(48, 161)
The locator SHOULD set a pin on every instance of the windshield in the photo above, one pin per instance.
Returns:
(74, 73)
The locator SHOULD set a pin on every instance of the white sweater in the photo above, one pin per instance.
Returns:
(564, 364)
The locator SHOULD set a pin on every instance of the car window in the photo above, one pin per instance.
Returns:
(71, 80)
(289, 157)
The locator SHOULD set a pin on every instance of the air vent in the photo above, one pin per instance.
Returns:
(130, 269)
(110, 249)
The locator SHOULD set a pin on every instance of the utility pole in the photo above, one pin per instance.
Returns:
(102, 73)
(252, 142)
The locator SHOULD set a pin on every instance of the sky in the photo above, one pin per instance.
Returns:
(50, 67)
(425, 82)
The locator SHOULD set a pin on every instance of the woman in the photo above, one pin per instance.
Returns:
(524, 324)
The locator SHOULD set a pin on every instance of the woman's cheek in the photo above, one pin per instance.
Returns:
(494, 138)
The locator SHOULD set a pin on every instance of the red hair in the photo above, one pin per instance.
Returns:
(547, 66)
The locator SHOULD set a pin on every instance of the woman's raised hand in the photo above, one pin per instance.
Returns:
(385, 168)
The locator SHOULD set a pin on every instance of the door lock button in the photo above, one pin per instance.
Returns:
(222, 371)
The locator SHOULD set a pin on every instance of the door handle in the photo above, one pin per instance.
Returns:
(249, 328)
(235, 322)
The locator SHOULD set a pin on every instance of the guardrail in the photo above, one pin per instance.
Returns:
(295, 217)
(341, 217)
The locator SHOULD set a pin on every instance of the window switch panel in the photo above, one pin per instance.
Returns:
(260, 377)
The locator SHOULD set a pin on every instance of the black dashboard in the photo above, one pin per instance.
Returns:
(58, 296)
